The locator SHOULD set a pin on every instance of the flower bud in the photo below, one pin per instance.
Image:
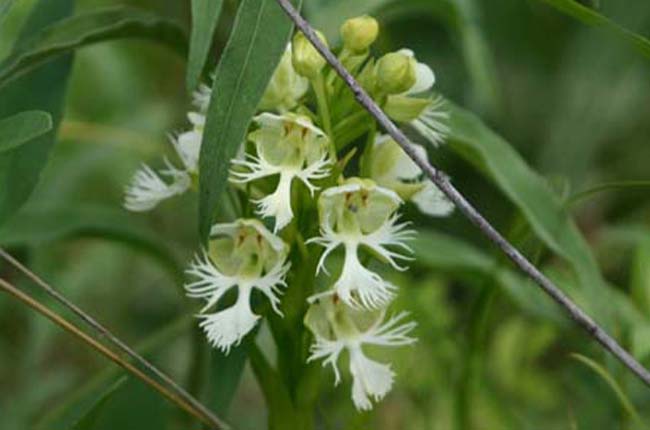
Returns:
(307, 61)
(396, 73)
(359, 33)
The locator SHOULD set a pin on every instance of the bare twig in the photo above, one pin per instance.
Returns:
(466, 208)
(71, 328)
(207, 416)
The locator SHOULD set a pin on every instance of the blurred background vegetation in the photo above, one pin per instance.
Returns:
(573, 101)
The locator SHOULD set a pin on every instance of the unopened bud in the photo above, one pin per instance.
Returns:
(307, 61)
(396, 73)
(359, 33)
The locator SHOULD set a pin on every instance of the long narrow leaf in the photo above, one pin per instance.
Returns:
(92, 27)
(544, 211)
(592, 18)
(258, 39)
(23, 127)
(205, 15)
(627, 405)
(451, 255)
(38, 226)
(89, 419)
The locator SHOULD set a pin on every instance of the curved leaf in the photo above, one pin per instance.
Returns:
(586, 194)
(37, 226)
(627, 405)
(23, 127)
(592, 18)
(43, 89)
(544, 211)
(438, 251)
(89, 419)
(205, 15)
(258, 39)
(87, 28)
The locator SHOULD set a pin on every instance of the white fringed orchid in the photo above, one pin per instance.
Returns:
(245, 256)
(286, 87)
(147, 188)
(426, 115)
(337, 328)
(392, 168)
(289, 146)
(355, 214)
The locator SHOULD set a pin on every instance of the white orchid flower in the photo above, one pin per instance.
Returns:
(148, 188)
(392, 168)
(426, 115)
(286, 87)
(338, 328)
(244, 256)
(289, 146)
(361, 214)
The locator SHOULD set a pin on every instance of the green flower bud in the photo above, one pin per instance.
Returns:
(306, 59)
(396, 73)
(405, 109)
(359, 33)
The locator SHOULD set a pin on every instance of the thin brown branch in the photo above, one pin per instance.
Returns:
(442, 182)
(74, 330)
(207, 416)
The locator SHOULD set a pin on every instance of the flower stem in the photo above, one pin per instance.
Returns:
(323, 111)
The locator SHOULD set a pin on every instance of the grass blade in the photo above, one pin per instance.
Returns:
(627, 405)
(88, 420)
(592, 18)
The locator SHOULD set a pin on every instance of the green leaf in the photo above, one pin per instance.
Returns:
(627, 405)
(592, 18)
(37, 226)
(43, 89)
(259, 37)
(586, 194)
(205, 15)
(437, 251)
(89, 419)
(87, 28)
(23, 127)
(543, 210)
(225, 372)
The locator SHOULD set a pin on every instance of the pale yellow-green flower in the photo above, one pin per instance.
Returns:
(337, 328)
(242, 255)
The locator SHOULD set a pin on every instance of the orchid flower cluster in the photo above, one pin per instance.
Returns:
(311, 149)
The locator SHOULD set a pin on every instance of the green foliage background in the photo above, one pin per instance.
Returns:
(569, 96)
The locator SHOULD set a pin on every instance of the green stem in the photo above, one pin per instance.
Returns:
(323, 111)
(472, 362)
(366, 159)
